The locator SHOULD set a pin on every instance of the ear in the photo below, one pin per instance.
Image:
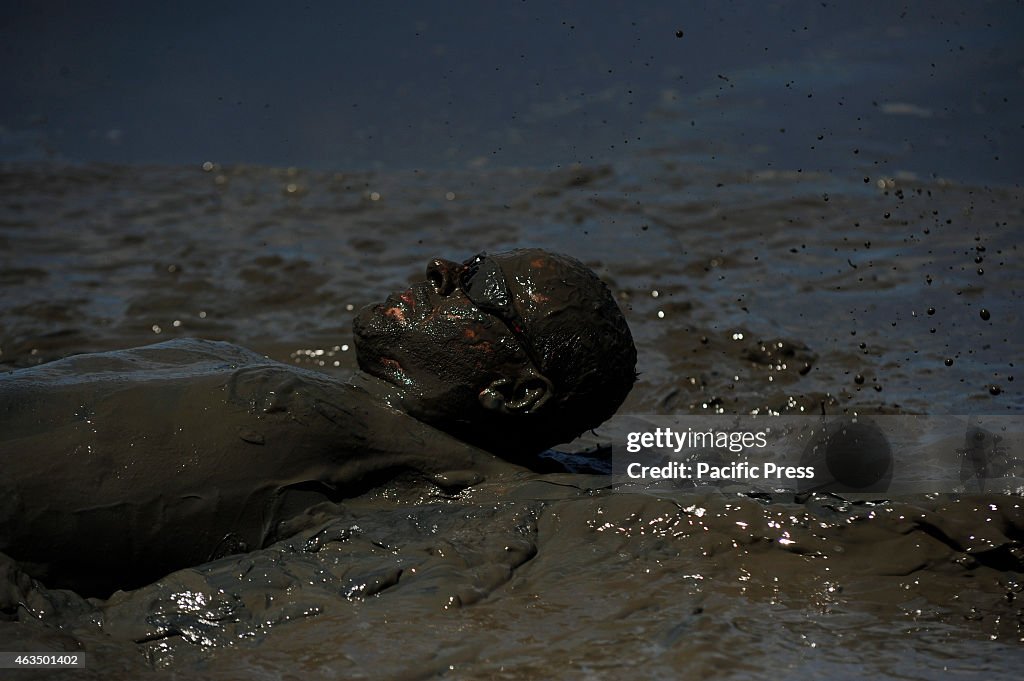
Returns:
(525, 394)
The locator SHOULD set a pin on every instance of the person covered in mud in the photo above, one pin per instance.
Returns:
(119, 467)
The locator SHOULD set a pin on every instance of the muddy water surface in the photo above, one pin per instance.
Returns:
(753, 291)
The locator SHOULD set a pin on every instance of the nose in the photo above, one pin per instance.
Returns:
(443, 275)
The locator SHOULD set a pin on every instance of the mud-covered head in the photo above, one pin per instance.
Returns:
(513, 352)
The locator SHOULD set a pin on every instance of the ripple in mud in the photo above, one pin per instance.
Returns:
(518, 566)
(771, 300)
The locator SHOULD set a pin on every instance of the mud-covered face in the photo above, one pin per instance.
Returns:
(449, 336)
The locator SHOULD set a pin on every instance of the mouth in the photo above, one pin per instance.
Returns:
(387, 368)
(390, 370)
(407, 307)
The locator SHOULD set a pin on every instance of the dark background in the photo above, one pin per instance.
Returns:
(931, 88)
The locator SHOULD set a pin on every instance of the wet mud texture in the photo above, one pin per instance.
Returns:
(747, 291)
(538, 576)
(122, 466)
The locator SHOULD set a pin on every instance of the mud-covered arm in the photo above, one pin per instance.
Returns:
(161, 457)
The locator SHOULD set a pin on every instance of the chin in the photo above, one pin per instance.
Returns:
(370, 330)
(376, 364)
(365, 319)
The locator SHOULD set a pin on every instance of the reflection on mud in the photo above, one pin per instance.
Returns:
(747, 293)
(548, 570)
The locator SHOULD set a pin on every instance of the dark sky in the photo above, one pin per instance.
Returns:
(930, 87)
